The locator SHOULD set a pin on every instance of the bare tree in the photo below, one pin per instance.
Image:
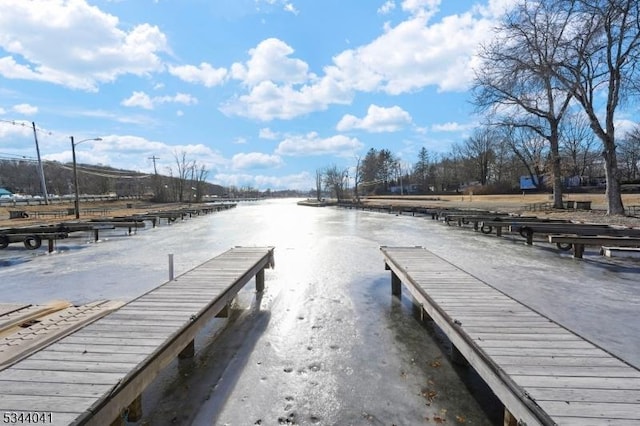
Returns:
(515, 83)
(577, 145)
(319, 174)
(479, 150)
(184, 168)
(601, 48)
(530, 149)
(334, 180)
(356, 180)
(201, 174)
(630, 154)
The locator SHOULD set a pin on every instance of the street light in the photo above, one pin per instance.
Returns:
(76, 203)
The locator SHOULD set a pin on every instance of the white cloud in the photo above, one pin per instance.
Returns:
(387, 7)
(407, 57)
(300, 181)
(413, 55)
(95, 50)
(312, 144)
(268, 101)
(624, 126)
(255, 160)
(203, 74)
(451, 126)
(138, 99)
(426, 7)
(142, 100)
(12, 129)
(289, 7)
(270, 61)
(25, 109)
(133, 153)
(267, 133)
(377, 120)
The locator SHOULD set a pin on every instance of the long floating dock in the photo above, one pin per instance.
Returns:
(543, 373)
(97, 374)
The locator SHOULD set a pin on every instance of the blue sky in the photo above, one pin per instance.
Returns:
(261, 92)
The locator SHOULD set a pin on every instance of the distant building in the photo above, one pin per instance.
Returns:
(5, 194)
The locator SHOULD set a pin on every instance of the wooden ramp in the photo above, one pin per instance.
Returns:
(543, 373)
(97, 374)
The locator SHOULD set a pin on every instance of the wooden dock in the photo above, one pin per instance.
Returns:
(543, 373)
(96, 375)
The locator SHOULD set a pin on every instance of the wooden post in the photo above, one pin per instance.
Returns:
(509, 419)
(96, 235)
(224, 313)
(396, 284)
(499, 231)
(260, 280)
(50, 245)
(134, 412)
(189, 351)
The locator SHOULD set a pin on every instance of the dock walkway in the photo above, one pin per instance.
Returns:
(96, 375)
(543, 373)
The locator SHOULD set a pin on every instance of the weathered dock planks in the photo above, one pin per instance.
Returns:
(18, 341)
(543, 373)
(94, 375)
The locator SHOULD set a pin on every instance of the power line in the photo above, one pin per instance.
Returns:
(26, 124)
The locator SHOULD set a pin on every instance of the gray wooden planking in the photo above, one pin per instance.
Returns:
(542, 372)
(6, 308)
(103, 365)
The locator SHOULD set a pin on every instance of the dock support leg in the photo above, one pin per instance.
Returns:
(260, 280)
(509, 420)
(578, 251)
(498, 231)
(224, 313)
(134, 412)
(96, 235)
(189, 351)
(50, 245)
(396, 284)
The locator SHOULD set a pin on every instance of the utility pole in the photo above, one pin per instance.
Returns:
(43, 185)
(158, 193)
(154, 158)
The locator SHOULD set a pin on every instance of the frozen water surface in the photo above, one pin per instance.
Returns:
(326, 343)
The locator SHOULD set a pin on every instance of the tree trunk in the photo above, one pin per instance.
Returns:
(554, 141)
(612, 173)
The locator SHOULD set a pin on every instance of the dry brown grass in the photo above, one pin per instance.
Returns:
(516, 204)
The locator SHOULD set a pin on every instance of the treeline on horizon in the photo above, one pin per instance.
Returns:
(488, 162)
(21, 176)
(548, 88)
